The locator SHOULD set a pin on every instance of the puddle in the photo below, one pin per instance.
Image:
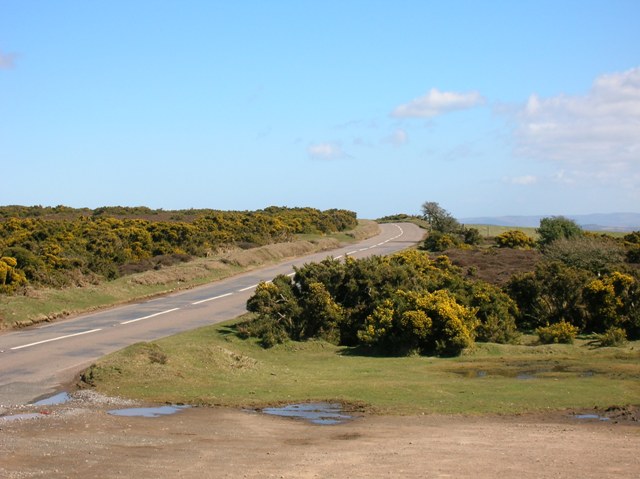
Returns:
(147, 411)
(590, 416)
(316, 413)
(54, 400)
(21, 417)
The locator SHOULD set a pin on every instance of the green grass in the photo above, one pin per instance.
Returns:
(212, 366)
(490, 231)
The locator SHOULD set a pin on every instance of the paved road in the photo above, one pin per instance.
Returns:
(35, 362)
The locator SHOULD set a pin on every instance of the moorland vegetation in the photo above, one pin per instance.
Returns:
(62, 246)
(420, 302)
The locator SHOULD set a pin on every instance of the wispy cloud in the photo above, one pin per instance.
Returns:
(600, 129)
(7, 60)
(437, 102)
(326, 151)
(521, 180)
(398, 138)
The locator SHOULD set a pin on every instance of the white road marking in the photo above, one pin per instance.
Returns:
(211, 299)
(291, 274)
(338, 257)
(248, 288)
(56, 339)
(352, 252)
(150, 316)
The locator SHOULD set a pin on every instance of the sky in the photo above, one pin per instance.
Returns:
(488, 107)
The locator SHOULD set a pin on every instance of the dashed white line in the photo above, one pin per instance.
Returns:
(338, 257)
(352, 252)
(211, 299)
(150, 316)
(248, 288)
(56, 339)
(291, 274)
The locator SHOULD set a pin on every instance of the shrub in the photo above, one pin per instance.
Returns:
(597, 254)
(514, 239)
(10, 276)
(633, 254)
(496, 312)
(612, 300)
(437, 241)
(557, 227)
(561, 332)
(471, 236)
(550, 294)
(429, 323)
(611, 337)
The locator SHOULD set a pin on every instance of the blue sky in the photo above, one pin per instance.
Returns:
(487, 107)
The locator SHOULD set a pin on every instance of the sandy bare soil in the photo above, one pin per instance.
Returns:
(85, 441)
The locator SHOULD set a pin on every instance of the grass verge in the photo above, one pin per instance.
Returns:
(211, 366)
(46, 304)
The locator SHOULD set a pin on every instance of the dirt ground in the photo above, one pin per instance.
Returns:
(83, 440)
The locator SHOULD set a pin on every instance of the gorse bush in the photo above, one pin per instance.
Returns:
(428, 323)
(394, 305)
(514, 239)
(10, 277)
(561, 332)
(612, 337)
(54, 246)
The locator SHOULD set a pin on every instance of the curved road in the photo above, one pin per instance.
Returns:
(37, 361)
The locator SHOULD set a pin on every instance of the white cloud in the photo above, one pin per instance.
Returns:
(600, 129)
(7, 60)
(326, 151)
(437, 102)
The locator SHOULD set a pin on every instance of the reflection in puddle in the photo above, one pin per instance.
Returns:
(21, 417)
(55, 400)
(590, 416)
(147, 411)
(316, 413)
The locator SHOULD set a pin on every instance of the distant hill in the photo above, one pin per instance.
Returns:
(592, 222)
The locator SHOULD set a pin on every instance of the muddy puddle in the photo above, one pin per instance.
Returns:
(147, 411)
(315, 413)
(595, 417)
(55, 400)
(21, 417)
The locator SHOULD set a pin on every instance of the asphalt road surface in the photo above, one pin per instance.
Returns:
(37, 361)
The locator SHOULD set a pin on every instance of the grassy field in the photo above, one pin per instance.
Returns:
(490, 231)
(212, 366)
(39, 305)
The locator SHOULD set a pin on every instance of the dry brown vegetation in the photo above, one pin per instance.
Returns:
(494, 265)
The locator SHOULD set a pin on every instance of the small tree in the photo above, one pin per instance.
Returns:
(439, 219)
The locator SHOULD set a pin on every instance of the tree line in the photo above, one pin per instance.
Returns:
(59, 246)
